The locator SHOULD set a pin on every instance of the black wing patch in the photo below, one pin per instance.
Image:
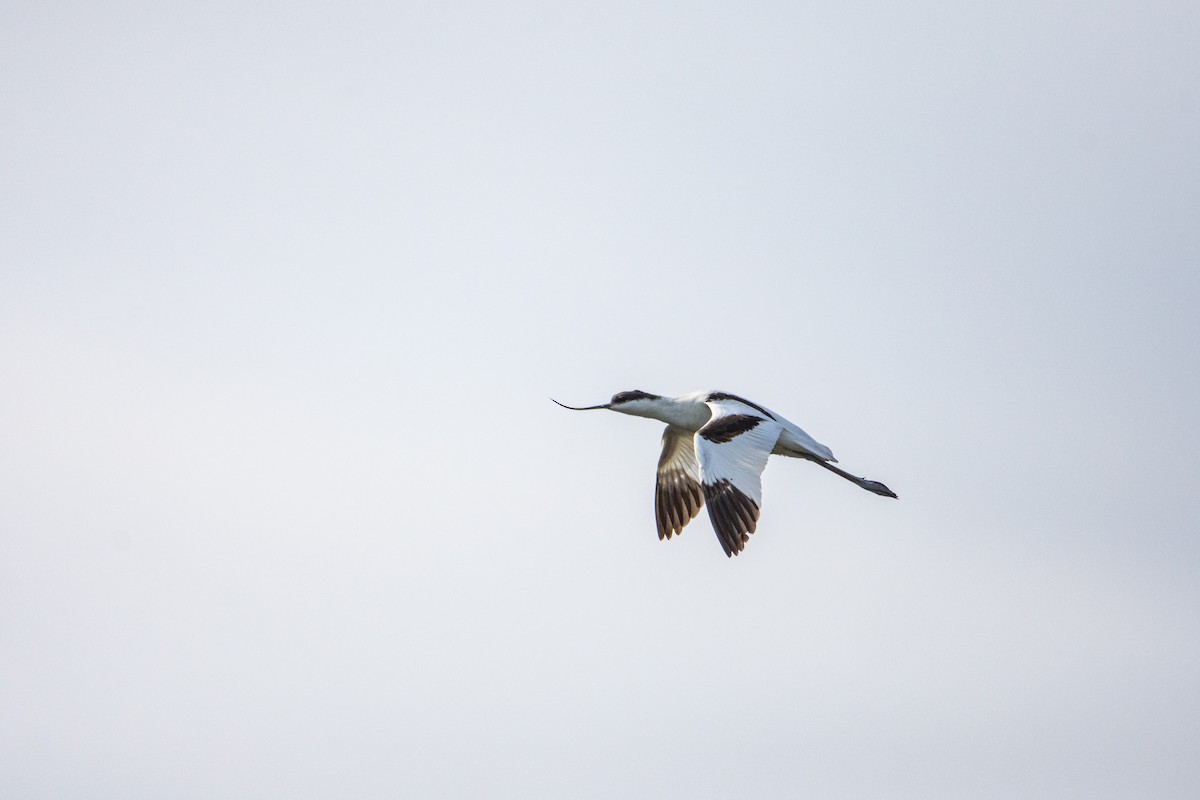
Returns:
(678, 497)
(726, 429)
(734, 515)
(714, 397)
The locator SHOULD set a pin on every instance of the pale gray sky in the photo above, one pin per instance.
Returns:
(285, 510)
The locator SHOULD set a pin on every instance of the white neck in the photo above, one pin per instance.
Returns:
(685, 412)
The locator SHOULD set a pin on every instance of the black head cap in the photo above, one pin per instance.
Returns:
(636, 394)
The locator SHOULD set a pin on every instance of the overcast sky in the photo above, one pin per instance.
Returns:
(285, 510)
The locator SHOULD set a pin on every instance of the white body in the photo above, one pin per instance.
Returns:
(692, 412)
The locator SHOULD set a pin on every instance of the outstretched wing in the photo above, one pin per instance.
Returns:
(732, 449)
(677, 496)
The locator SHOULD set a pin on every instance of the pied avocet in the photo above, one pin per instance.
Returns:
(714, 450)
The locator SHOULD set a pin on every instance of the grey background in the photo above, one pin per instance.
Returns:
(285, 510)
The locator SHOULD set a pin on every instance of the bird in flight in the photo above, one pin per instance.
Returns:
(714, 450)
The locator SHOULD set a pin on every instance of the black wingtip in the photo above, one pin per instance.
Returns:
(734, 516)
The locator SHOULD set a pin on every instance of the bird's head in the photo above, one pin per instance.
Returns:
(635, 402)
